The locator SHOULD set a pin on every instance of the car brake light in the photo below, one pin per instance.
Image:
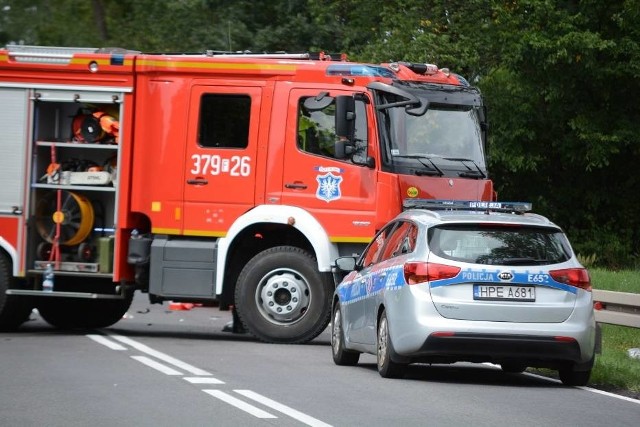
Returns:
(578, 277)
(419, 272)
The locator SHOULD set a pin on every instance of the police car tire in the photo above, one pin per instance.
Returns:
(318, 313)
(387, 368)
(572, 377)
(341, 356)
(14, 310)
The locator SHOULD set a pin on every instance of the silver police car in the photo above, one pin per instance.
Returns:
(450, 281)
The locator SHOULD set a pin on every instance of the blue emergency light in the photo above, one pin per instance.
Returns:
(467, 205)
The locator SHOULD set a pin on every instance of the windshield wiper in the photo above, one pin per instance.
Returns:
(470, 173)
(431, 169)
(512, 261)
(523, 261)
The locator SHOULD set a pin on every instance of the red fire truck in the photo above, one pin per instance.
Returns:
(227, 179)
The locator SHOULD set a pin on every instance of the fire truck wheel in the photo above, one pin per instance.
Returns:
(14, 310)
(82, 313)
(72, 313)
(281, 297)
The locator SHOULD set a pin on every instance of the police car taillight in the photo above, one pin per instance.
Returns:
(578, 277)
(419, 272)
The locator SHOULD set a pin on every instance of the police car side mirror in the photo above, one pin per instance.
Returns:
(346, 263)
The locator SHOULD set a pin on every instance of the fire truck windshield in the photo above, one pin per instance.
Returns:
(448, 136)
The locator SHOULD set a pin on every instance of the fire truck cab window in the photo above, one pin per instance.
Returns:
(224, 121)
(317, 135)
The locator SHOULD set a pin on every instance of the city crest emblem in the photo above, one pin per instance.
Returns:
(328, 187)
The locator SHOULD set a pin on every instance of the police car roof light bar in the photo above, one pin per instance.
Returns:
(467, 205)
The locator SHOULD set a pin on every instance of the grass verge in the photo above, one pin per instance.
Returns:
(614, 370)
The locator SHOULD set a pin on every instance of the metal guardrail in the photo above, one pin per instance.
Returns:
(617, 308)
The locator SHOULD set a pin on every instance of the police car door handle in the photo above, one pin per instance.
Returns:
(197, 181)
(296, 185)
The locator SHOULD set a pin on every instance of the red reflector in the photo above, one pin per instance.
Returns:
(443, 334)
(564, 339)
(578, 277)
(597, 305)
(419, 272)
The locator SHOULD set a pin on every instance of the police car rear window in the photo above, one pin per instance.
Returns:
(499, 245)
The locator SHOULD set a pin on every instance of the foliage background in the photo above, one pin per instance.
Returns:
(561, 79)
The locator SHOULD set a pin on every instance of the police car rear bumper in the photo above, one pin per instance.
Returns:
(529, 350)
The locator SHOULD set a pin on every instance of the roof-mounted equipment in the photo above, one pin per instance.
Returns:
(467, 205)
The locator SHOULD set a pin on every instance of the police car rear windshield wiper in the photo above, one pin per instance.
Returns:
(431, 170)
(511, 261)
(477, 173)
(523, 261)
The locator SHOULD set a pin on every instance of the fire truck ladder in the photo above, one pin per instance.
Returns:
(53, 54)
(45, 54)
(63, 55)
(313, 56)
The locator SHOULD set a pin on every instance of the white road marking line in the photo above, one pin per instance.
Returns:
(159, 355)
(102, 340)
(156, 365)
(256, 412)
(203, 380)
(592, 390)
(304, 418)
(606, 393)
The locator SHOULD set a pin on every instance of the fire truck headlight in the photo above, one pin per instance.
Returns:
(93, 66)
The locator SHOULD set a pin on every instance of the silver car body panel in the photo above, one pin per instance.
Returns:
(416, 312)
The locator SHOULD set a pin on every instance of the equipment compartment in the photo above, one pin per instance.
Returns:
(73, 197)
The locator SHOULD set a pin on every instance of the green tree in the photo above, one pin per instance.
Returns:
(564, 119)
(560, 78)
(48, 22)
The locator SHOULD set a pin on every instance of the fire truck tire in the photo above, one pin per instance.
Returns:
(14, 310)
(73, 313)
(82, 313)
(281, 297)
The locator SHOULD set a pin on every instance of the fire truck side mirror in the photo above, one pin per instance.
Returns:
(345, 117)
(318, 102)
(343, 149)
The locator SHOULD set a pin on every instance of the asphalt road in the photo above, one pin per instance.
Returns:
(162, 367)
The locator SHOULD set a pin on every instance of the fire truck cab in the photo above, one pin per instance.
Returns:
(228, 179)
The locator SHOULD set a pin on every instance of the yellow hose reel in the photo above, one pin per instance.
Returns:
(73, 213)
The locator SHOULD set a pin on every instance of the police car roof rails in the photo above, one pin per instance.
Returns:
(467, 205)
